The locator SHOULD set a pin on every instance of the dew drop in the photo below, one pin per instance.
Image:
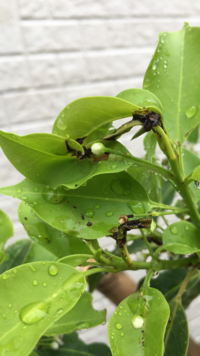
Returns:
(44, 284)
(24, 197)
(154, 66)
(34, 312)
(146, 83)
(4, 276)
(53, 270)
(109, 213)
(19, 190)
(174, 230)
(137, 322)
(53, 196)
(9, 305)
(54, 295)
(112, 337)
(122, 334)
(32, 268)
(190, 111)
(36, 189)
(137, 207)
(97, 207)
(197, 184)
(114, 166)
(59, 311)
(89, 213)
(61, 125)
(118, 326)
(35, 282)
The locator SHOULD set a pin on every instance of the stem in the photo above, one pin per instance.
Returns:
(148, 245)
(125, 255)
(181, 160)
(183, 188)
(160, 227)
(185, 283)
(165, 220)
(98, 270)
(147, 279)
(141, 162)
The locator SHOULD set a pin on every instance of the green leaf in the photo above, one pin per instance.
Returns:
(33, 354)
(168, 193)
(6, 231)
(94, 280)
(52, 289)
(190, 162)
(16, 254)
(75, 260)
(56, 242)
(142, 98)
(194, 136)
(73, 346)
(88, 212)
(182, 238)
(170, 76)
(44, 159)
(86, 116)
(82, 316)
(146, 340)
(169, 282)
(177, 333)
(137, 246)
(150, 142)
(38, 253)
(151, 181)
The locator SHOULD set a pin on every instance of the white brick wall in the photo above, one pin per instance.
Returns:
(52, 52)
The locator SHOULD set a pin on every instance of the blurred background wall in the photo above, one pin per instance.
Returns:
(55, 51)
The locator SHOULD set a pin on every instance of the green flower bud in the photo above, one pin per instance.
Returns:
(98, 149)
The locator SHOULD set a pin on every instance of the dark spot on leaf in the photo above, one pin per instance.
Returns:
(89, 224)
(82, 217)
(76, 185)
(189, 132)
(25, 218)
(104, 157)
(74, 207)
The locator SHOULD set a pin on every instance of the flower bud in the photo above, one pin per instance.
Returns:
(98, 149)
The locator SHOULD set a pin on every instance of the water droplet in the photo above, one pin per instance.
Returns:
(137, 322)
(146, 83)
(174, 230)
(36, 189)
(35, 282)
(197, 184)
(60, 124)
(59, 311)
(137, 207)
(24, 197)
(53, 196)
(16, 311)
(4, 276)
(121, 307)
(190, 111)
(118, 186)
(122, 334)
(32, 268)
(53, 270)
(9, 305)
(89, 213)
(172, 100)
(34, 312)
(154, 66)
(35, 203)
(54, 295)
(186, 227)
(44, 284)
(97, 207)
(109, 213)
(114, 166)
(19, 190)
(126, 192)
(118, 326)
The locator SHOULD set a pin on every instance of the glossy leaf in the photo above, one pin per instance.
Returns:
(72, 345)
(173, 77)
(84, 116)
(6, 231)
(38, 253)
(169, 282)
(177, 333)
(194, 136)
(168, 193)
(16, 254)
(147, 340)
(51, 291)
(75, 260)
(56, 242)
(182, 238)
(150, 142)
(94, 280)
(151, 181)
(191, 161)
(44, 159)
(88, 212)
(82, 316)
